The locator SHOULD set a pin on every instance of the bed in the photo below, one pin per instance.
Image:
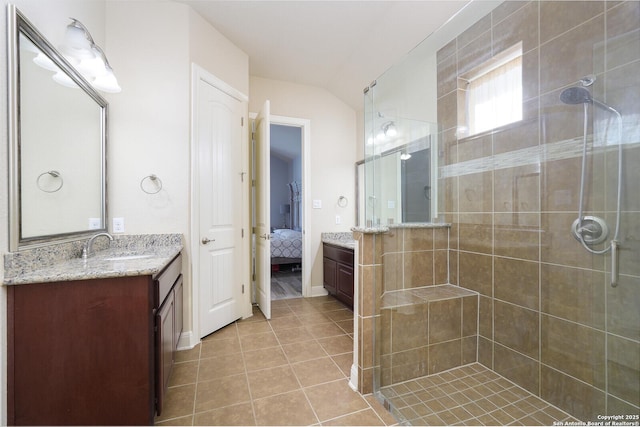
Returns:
(286, 243)
(286, 247)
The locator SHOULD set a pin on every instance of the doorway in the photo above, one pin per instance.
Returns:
(299, 208)
(286, 195)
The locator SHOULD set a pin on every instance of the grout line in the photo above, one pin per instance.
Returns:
(246, 372)
(484, 396)
(195, 390)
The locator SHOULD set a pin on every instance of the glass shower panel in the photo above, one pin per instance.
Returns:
(549, 321)
(371, 184)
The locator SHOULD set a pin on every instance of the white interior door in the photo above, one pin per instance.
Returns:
(263, 220)
(219, 162)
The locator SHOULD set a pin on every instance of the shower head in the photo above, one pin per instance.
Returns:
(579, 95)
(575, 95)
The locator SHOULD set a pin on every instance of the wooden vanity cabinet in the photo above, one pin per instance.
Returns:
(168, 329)
(337, 268)
(84, 352)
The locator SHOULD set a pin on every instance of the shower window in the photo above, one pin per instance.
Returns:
(493, 92)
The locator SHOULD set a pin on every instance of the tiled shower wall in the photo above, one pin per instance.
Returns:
(548, 319)
(426, 326)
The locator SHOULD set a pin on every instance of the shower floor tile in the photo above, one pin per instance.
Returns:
(468, 395)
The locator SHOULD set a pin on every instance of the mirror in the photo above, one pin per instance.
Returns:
(398, 172)
(57, 131)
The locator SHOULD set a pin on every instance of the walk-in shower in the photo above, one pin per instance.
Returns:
(493, 313)
(591, 230)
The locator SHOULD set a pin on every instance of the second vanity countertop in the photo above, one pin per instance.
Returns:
(344, 239)
(126, 256)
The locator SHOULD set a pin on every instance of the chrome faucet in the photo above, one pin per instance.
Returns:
(88, 247)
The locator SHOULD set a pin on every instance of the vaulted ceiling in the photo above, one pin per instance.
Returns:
(338, 45)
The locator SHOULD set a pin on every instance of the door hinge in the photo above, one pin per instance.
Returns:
(243, 289)
(241, 121)
(253, 182)
(253, 277)
(242, 233)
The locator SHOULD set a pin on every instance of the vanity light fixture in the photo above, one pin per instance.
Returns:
(45, 62)
(61, 78)
(88, 58)
(390, 129)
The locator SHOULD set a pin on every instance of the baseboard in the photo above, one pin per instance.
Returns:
(187, 341)
(353, 381)
(318, 291)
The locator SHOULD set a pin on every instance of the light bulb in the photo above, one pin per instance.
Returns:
(390, 130)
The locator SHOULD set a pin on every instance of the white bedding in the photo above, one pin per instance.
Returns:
(286, 244)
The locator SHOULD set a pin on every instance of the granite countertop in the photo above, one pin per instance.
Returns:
(344, 239)
(126, 256)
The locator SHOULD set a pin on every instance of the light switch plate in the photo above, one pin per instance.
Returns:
(338, 219)
(317, 204)
(118, 225)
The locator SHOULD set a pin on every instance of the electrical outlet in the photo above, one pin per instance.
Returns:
(94, 223)
(338, 219)
(118, 225)
(317, 204)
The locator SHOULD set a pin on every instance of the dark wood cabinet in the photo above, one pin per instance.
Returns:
(168, 330)
(344, 283)
(84, 352)
(329, 269)
(338, 278)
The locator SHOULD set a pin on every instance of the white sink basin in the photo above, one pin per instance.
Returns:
(126, 257)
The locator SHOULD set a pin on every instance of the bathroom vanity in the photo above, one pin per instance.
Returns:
(89, 341)
(96, 350)
(337, 266)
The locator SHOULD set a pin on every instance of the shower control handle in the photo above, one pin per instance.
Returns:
(592, 229)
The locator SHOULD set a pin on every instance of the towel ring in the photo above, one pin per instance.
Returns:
(54, 174)
(153, 178)
(343, 202)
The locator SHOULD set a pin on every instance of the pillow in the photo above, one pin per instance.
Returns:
(287, 234)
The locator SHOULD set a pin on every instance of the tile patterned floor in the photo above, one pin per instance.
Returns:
(469, 395)
(294, 369)
(291, 370)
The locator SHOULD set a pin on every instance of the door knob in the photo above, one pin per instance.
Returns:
(206, 240)
(265, 236)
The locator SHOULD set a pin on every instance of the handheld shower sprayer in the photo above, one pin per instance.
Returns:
(596, 230)
(580, 95)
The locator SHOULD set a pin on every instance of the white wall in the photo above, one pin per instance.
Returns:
(215, 53)
(152, 45)
(333, 139)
